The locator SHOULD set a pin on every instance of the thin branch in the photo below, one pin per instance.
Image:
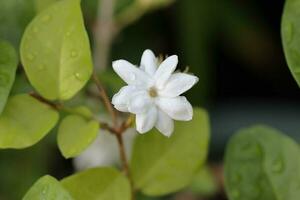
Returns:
(45, 101)
(125, 162)
(105, 99)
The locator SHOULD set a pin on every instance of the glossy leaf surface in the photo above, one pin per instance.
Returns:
(75, 134)
(163, 165)
(47, 188)
(98, 184)
(25, 121)
(55, 51)
(261, 163)
(8, 67)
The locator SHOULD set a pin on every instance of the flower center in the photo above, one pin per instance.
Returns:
(153, 92)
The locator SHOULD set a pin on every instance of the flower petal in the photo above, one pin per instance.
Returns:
(139, 103)
(121, 99)
(149, 62)
(130, 73)
(177, 84)
(164, 124)
(177, 108)
(146, 121)
(164, 71)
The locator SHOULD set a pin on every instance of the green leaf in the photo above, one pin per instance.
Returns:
(47, 188)
(290, 31)
(8, 67)
(261, 163)
(75, 134)
(40, 5)
(55, 51)
(25, 121)
(204, 183)
(163, 165)
(98, 184)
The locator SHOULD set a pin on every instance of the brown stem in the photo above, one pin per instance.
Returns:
(105, 99)
(45, 101)
(125, 162)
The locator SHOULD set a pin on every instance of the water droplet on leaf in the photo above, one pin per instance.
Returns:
(289, 31)
(74, 54)
(68, 33)
(46, 18)
(30, 57)
(45, 190)
(277, 165)
(78, 76)
(41, 67)
(35, 29)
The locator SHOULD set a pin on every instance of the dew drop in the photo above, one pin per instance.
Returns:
(45, 190)
(277, 165)
(68, 33)
(46, 18)
(41, 67)
(30, 57)
(289, 31)
(235, 194)
(78, 76)
(74, 54)
(35, 29)
(297, 70)
(253, 149)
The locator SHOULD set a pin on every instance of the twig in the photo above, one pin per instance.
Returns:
(43, 100)
(105, 99)
(125, 162)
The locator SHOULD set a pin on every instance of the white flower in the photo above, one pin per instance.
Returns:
(153, 93)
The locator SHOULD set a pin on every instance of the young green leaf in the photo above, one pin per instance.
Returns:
(40, 5)
(47, 188)
(261, 163)
(55, 51)
(25, 121)
(204, 183)
(163, 165)
(98, 184)
(8, 67)
(290, 31)
(75, 134)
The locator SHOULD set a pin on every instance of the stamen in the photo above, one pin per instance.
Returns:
(153, 92)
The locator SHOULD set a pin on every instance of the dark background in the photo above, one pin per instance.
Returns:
(233, 46)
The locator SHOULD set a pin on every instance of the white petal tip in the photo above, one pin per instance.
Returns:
(167, 134)
(141, 131)
(174, 58)
(148, 51)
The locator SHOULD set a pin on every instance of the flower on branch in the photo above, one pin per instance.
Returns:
(153, 93)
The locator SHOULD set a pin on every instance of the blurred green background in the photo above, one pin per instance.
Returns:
(233, 46)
